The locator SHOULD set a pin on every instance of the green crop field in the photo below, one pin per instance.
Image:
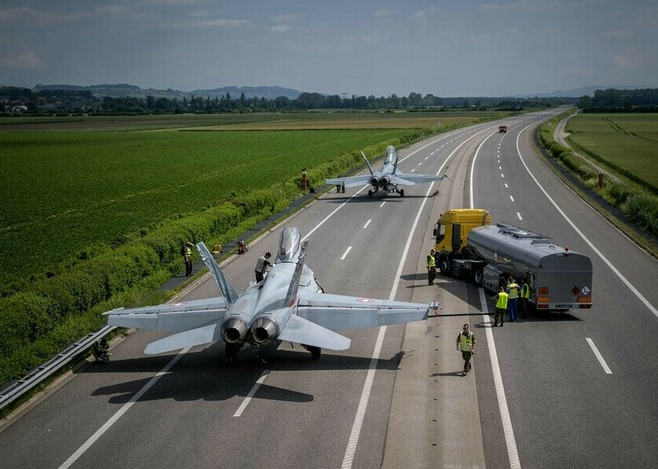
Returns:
(66, 192)
(625, 141)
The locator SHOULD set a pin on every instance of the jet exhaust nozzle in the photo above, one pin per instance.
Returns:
(374, 181)
(385, 181)
(264, 331)
(234, 331)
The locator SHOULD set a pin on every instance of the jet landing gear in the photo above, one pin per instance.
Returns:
(231, 352)
(316, 352)
(401, 192)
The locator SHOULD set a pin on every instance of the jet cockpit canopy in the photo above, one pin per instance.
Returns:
(390, 155)
(288, 245)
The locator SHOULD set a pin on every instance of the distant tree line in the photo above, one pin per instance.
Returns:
(71, 101)
(612, 100)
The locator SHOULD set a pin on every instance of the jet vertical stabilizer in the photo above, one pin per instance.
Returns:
(220, 279)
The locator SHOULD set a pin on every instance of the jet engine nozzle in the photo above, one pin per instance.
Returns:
(385, 181)
(234, 331)
(374, 181)
(264, 331)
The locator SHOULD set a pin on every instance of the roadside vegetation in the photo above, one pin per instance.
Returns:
(626, 145)
(94, 219)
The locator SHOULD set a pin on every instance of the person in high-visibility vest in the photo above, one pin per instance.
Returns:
(431, 267)
(501, 306)
(525, 296)
(186, 252)
(513, 292)
(466, 344)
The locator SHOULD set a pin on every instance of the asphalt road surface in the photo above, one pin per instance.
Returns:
(552, 391)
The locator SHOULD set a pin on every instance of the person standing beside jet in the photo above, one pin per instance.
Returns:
(466, 344)
(262, 265)
(513, 291)
(431, 266)
(501, 306)
(186, 252)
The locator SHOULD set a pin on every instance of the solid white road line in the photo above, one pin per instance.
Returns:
(87, 444)
(605, 366)
(635, 291)
(508, 431)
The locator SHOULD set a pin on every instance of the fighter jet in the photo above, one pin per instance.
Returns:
(387, 179)
(287, 305)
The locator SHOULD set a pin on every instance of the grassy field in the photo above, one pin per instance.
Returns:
(66, 192)
(627, 142)
(257, 121)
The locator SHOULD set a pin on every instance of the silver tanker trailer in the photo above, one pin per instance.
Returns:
(468, 246)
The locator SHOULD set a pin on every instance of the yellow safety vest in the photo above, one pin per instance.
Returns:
(525, 291)
(431, 260)
(513, 290)
(466, 342)
(188, 251)
(502, 300)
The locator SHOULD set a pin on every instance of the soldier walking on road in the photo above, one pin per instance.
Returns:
(466, 344)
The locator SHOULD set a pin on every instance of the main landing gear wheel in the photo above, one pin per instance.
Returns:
(401, 192)
(231, 353)
(315, 351)
(370, 193)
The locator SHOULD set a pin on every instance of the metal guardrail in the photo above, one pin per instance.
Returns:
(17, 388)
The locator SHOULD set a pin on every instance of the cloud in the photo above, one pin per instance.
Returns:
(290, 18)
(619, 34)
(24, 15)
(26, 60)
(487, 8)
(221, 23)
(281, 28)
(628, 60)
(385, 13)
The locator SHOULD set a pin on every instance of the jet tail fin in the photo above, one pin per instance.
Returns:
(199, 336)
(222, 282)
(367, 162)
(291, 296)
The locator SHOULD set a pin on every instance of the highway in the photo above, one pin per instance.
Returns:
(551, 391)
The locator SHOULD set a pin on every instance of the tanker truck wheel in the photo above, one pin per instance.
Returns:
(444, 266)
(477, 277)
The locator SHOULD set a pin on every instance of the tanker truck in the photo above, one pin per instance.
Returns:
(469, 246)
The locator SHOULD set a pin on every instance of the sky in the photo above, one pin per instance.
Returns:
(375, 48)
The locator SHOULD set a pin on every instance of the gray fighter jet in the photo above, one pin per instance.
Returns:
(288, 305)
(387, 179)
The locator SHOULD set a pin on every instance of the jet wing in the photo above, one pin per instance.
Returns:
(338, 312)
(349, 181)
(415, 178)
(173, 317)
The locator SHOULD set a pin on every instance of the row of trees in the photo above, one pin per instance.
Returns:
(84, 101)
(613, 100)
